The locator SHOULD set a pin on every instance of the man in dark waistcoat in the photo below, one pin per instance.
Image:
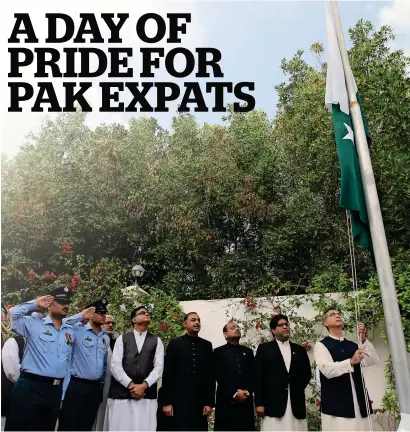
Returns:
(345, 403)
(187, 394)
(137, 363)
(11, 357)
(233, 367)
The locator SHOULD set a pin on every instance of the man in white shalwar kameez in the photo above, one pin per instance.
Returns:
(137, 364)
(345, 403)
(282, 373)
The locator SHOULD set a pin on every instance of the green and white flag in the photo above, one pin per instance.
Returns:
(337, 102)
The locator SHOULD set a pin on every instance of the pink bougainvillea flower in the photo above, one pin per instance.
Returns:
(66, 245)
(307, 345)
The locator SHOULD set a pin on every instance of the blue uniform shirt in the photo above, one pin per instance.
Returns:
(89, 353)
(48, 350)
(76, 326)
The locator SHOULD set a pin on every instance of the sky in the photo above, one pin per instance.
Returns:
(253, 38)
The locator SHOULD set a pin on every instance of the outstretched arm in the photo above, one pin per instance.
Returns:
(22, 324)
(326, 365)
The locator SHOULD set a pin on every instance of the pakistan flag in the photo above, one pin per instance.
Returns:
(337, 102)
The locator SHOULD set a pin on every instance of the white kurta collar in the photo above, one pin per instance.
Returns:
(280, 343)
(140, 335)
(341, 338)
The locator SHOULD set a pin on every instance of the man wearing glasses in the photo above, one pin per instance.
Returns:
(137, 363)
(345, 403)
(282, 373)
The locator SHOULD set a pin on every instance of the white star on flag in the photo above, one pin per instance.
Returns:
(350, 134)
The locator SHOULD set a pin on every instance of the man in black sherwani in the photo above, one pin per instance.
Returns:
(233, 365)
(187, 394)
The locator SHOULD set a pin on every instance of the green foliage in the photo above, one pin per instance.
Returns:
(214, 211)
(108, 278)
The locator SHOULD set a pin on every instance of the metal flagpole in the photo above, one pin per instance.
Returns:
(394, 327)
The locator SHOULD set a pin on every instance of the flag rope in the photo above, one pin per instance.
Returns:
(357, 307)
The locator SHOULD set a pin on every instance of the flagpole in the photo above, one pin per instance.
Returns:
(394, 327)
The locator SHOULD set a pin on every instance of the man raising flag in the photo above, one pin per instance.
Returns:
(358, 182)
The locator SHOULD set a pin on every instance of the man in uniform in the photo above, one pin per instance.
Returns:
(35, 401)
(282, 373)
(233, 365)
(188, 385)
(136, 365)
(83, 393)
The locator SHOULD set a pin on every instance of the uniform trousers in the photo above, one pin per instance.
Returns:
(34, 405)
(81, 401)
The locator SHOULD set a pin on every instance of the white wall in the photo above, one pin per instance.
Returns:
(216, 313)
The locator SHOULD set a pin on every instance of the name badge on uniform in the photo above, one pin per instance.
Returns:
(48, 333)
(104, 342)
(88, 338)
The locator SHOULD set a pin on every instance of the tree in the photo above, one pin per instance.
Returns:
(212, 211)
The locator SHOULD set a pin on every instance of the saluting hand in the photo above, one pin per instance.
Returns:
(87, 313)
(44, 301)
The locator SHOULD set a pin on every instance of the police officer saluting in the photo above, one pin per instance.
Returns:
(83, 395)
(35, 401)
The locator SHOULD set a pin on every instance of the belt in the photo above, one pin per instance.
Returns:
(83, 380)
(40, 378)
